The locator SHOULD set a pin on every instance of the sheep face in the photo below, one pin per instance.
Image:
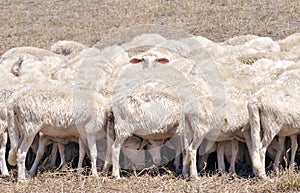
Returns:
(149, 61)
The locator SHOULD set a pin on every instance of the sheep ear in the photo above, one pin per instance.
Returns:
(16, 67)
(135, 60)
(162, 60)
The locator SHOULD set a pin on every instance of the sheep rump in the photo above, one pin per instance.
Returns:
(57, 112)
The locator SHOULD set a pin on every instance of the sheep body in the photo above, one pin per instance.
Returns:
(15, 55)
(5, 93)
(268, 109)
(56, 112)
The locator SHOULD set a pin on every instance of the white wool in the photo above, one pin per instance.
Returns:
(239, 40)
(67, 48)
(6, 78)
(50, 59)
(273, 110)
(145, 40)
(289, 42)
(293, 53)
(263, 44)
(64, 75)
(203, 41)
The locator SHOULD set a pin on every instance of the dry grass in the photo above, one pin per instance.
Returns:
(69, 181)
(41, 23)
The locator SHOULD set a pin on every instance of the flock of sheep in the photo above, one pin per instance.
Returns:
(232, 97)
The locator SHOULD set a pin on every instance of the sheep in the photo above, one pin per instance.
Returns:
(259, 47)
(289, 42)
(124, 130)
(247, 53)
(5, 93)
(68, 73)
(239, 40)
(276, 148)
(134, 155)
(136, 106)
(224, 150)
(57, 112)
(44, 141)
(99, 69)
(8, 84)
(237, 93)
(268, 115)
(12, 59)
(174, 143)
(67, 48)
(188, 68)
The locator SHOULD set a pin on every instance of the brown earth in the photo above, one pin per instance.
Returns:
(41, 23)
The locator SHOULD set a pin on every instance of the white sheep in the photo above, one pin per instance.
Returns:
(129, 124)
(61, 142)
(5, 93)
(14, 56)
(56, 112)
(273, 110)
(67, 48)
(237, 93)
(289, 42)
(276, 148)
(134, 155)
(225, 151)
(155, 104)
(239, 40)
(8, 84)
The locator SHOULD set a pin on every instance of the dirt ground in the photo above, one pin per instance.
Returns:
(41, 23)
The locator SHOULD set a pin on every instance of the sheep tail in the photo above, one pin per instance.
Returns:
(254, 118)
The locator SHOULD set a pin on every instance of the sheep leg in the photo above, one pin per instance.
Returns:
(279, 153)
(256, 154)
(53, 155)
(14, 139)
(185, 156)
(234, 152)
(294, 147)
(3, 167)
(61, 149)
(178, 150)
(93, 153)
(202, 161)
(268, 136)
(81, 154)
(247, 136)
(220, 156)
(193, 156)
(116, 147)
(186, 138)
(39, 154)
(110, 140)
(21, 156)
(107, 162)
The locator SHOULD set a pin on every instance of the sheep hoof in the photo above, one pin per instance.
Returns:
(262, 176)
